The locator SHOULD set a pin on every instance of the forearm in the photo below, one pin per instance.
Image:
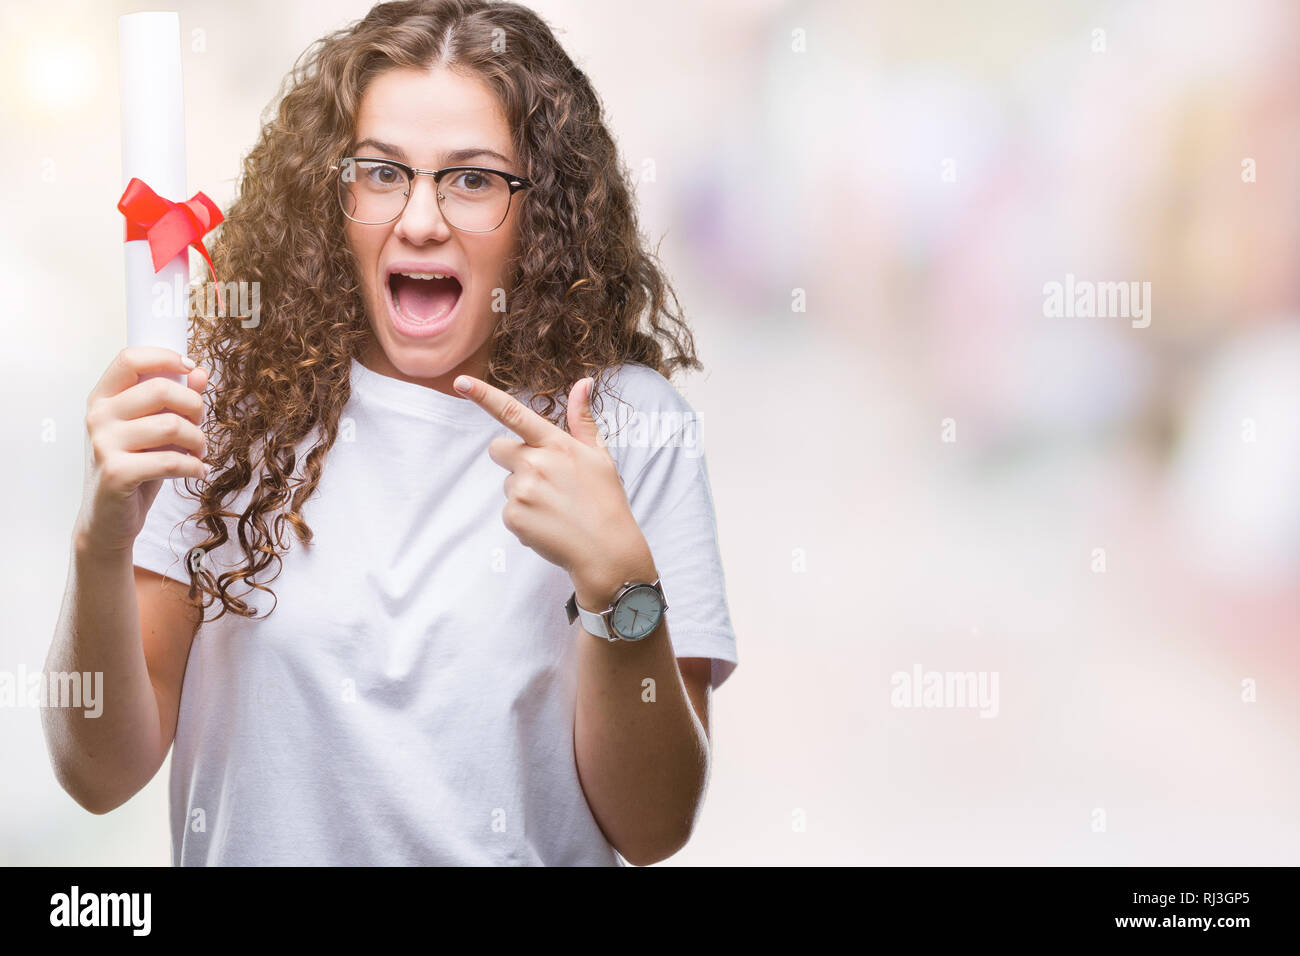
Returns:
(642, 753)
(101, 761)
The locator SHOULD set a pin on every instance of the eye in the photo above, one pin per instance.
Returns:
(382, 174)
(471, 180)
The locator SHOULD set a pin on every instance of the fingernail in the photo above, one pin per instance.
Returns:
(188, 362)
(462, 383)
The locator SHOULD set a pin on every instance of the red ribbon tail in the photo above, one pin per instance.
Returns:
(198, 244)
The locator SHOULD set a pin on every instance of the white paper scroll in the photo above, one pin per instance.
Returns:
(153, 150)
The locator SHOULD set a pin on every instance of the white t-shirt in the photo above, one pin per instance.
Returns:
(411, 698)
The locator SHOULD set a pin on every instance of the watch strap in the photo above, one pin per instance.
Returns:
(592, 621)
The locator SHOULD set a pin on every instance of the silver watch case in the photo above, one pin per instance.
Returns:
(607, 616)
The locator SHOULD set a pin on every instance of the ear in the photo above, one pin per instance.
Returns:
(582, 423)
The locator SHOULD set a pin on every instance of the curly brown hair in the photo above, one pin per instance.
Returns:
(580, 284)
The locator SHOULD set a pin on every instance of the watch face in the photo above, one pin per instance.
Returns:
(638, 612)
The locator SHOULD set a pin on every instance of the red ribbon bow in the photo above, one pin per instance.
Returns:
(169, 226)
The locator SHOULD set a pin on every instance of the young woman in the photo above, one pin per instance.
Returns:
(451, 284)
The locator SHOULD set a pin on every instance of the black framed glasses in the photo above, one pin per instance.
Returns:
(472, 198)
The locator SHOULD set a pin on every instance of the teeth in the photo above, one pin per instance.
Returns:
(424, 275)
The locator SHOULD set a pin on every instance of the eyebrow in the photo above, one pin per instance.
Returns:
(453, 158)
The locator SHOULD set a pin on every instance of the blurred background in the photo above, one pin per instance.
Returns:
(914, 464)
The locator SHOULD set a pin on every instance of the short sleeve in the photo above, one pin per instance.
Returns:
(164, 542)
(657, 444)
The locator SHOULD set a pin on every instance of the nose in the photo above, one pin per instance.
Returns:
(421, 221)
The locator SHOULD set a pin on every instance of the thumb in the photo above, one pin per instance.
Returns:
(582, 424)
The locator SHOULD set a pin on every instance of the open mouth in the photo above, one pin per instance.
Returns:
(424, 297)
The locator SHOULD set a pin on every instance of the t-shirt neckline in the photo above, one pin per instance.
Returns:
(419, 400)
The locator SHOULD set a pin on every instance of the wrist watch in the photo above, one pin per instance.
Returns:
(634, 613)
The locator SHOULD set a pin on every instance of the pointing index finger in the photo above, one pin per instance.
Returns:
(508, 410)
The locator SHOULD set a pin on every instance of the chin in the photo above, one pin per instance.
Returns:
(423, 359)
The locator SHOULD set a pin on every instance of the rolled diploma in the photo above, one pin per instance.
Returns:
(153, 150)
